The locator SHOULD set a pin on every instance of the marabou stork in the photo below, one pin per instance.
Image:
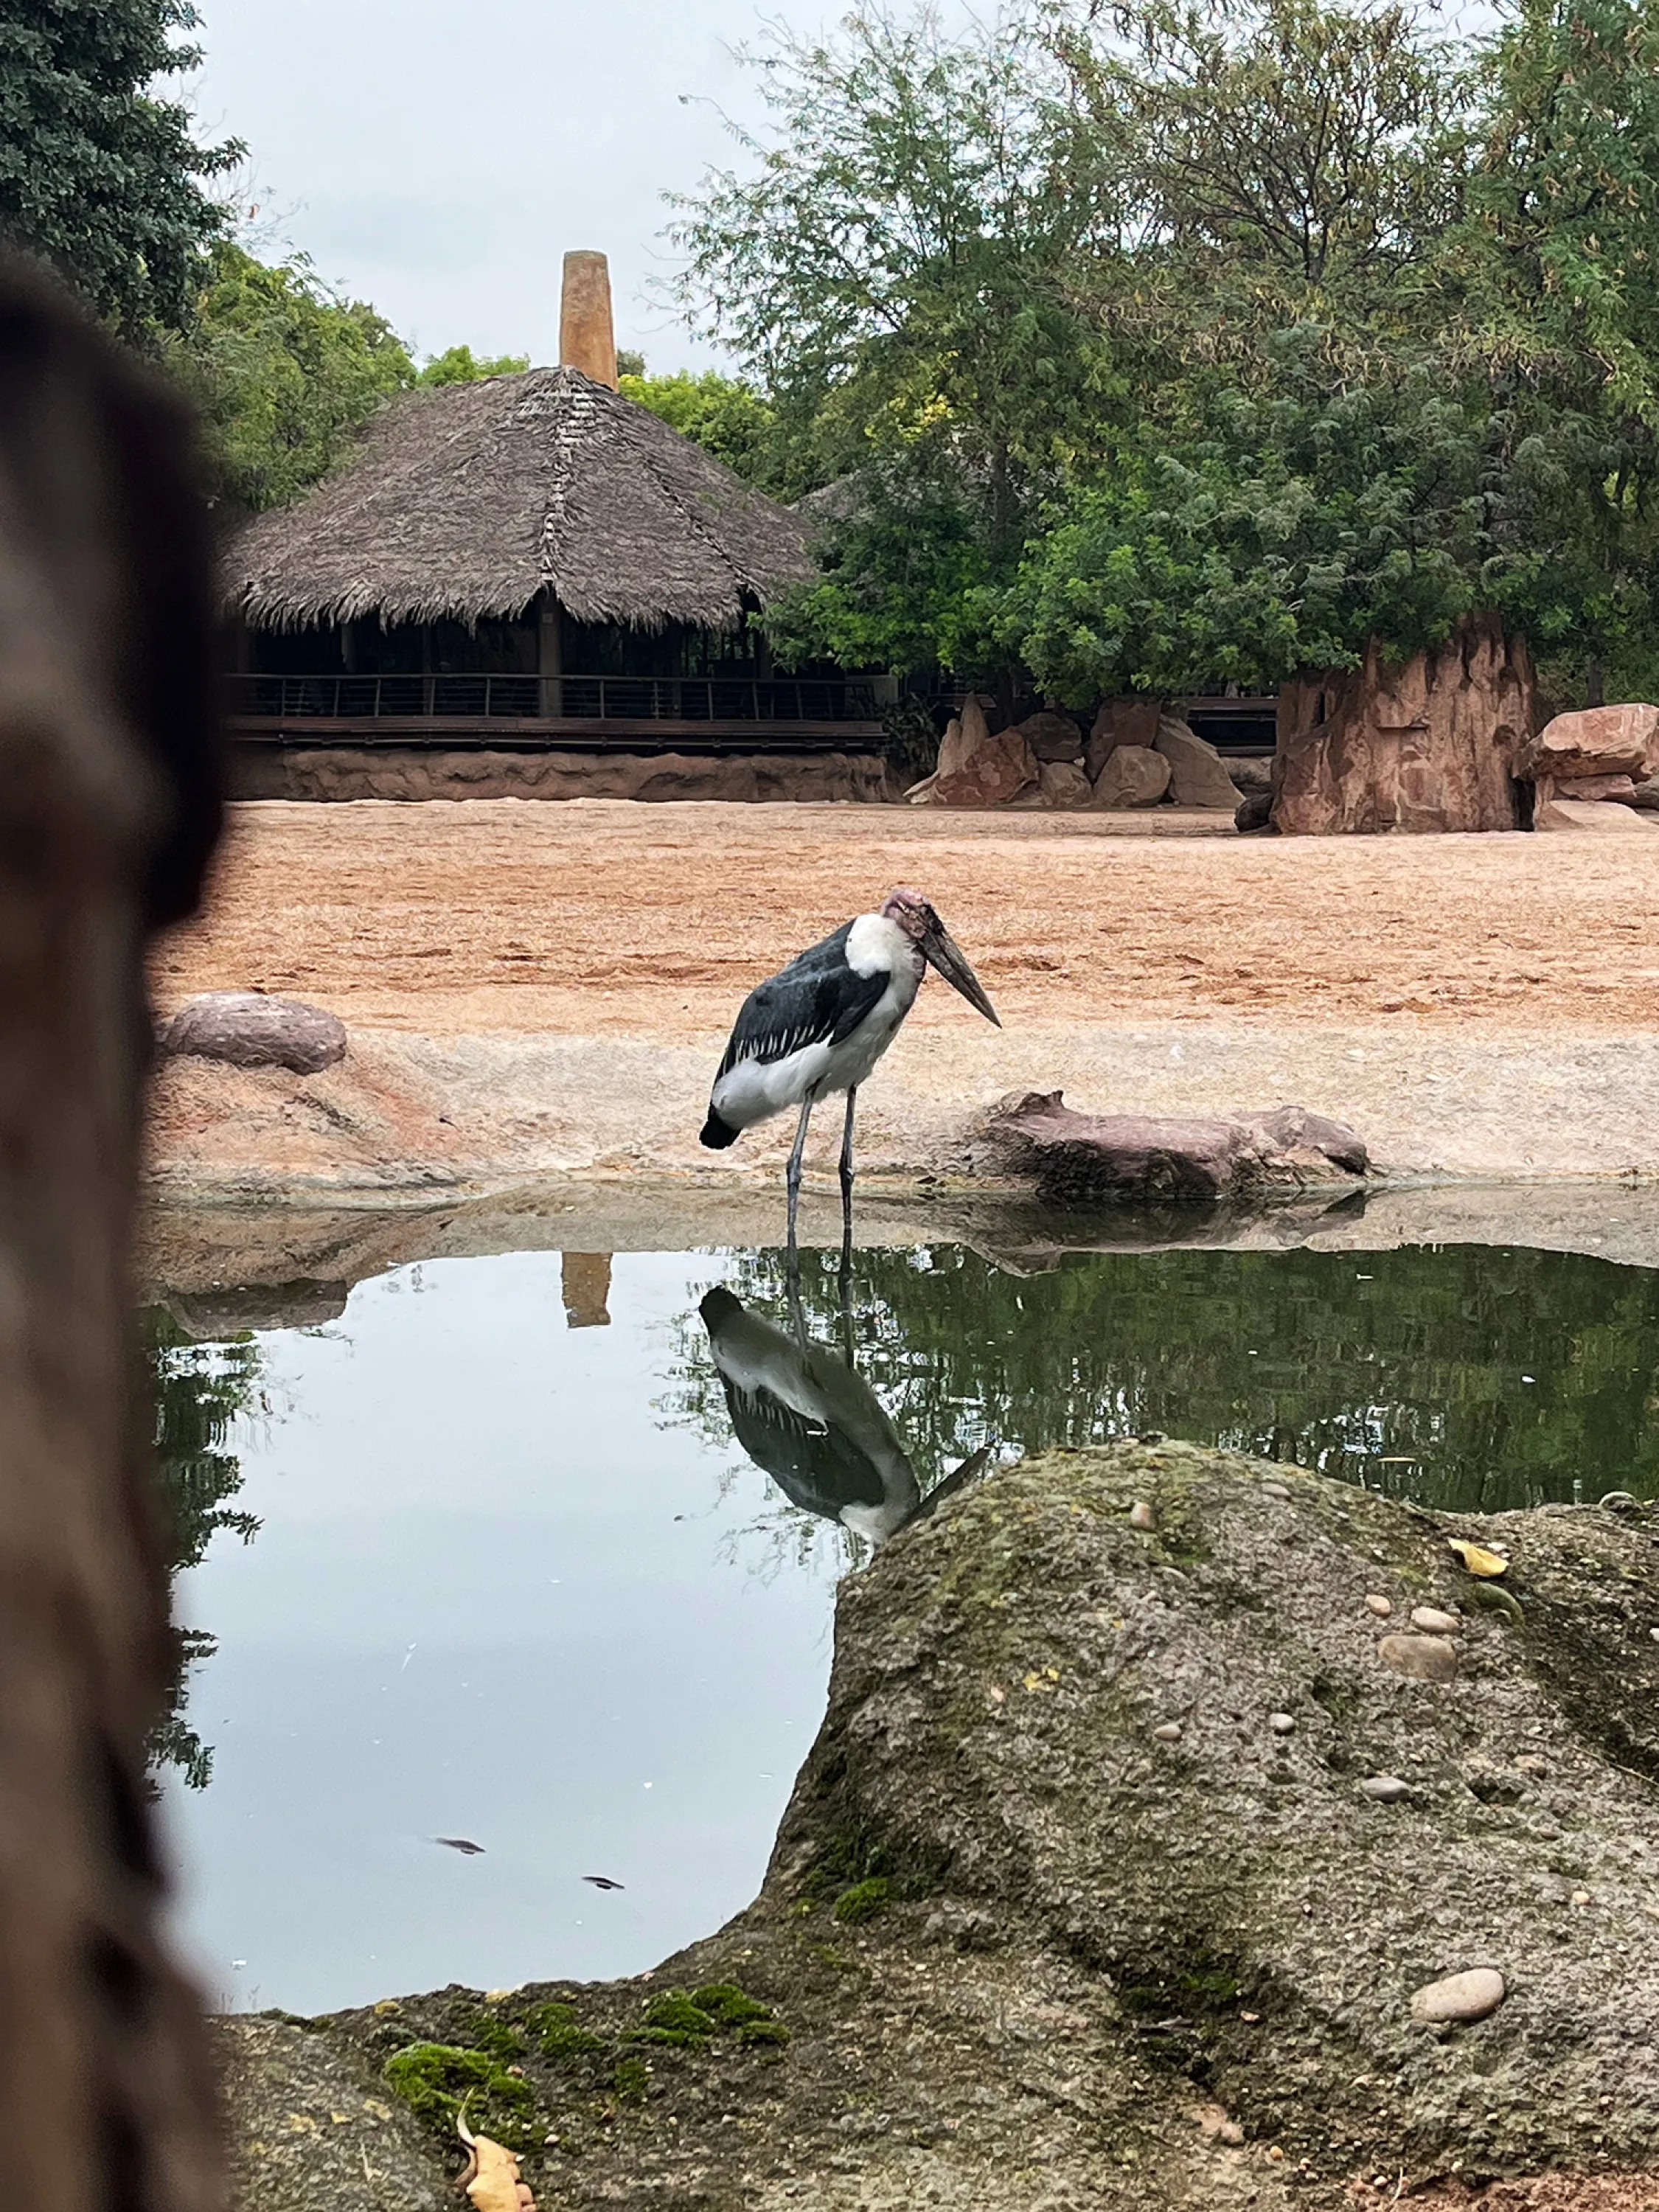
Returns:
(808, 1420)
(821, 1024)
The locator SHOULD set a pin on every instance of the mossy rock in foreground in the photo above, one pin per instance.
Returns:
(1145, 1939)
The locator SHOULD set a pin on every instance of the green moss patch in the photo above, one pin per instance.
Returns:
(436, 2080)
(559, 2034)
(864, 1900)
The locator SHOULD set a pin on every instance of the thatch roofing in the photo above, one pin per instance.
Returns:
(468, 501)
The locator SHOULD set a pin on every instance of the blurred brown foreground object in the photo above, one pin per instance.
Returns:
(109, 804)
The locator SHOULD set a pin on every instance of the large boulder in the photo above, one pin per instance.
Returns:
(1197, 776)
(1053, 737)
(1594, 741)
(997, 771)
(1434, 742)
(1141, 1861)
(1081, 1160)
(1064, 784)
(249, 1029)
(1133, 776)
(964, 734)
(977, 768)
(1602, 818)
(1120, 722)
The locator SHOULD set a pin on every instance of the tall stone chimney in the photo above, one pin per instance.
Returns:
(586, 338)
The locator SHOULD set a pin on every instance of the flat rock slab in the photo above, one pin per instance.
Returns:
(1601, 817)
(316, 2130)
(1080, 1158)
(249, 1029)
(1594, 741)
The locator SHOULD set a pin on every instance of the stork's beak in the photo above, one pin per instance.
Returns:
(940, 949)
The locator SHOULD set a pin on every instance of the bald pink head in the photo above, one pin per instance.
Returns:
(937, 946)
(911, 911)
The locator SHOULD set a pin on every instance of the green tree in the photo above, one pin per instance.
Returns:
(200, 1392)
(284, 371)
(890, 266)
(97, 175)
(1557, 309)
(727, 417)
(460, 365)
(1278, 165)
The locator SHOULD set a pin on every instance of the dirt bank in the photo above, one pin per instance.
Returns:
(537, 990)
(1081, 1904)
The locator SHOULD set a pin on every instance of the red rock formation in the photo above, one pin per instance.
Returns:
(1432, 743)
(1596, 742)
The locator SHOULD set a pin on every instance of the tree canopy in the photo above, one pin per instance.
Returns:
(284, 372)
(1165, 345)
(99, 176)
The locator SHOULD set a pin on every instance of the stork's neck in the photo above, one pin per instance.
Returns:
(877, 946)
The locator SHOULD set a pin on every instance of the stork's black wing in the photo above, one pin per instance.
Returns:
(818, 999)
(814, 1464)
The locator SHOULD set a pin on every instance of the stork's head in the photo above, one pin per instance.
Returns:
(937, 946)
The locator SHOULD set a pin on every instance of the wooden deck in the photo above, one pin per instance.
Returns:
(616, 734)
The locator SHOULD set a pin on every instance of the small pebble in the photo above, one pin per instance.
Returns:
(1142, 1516)
(1282, 1723)
(1168, 1732)
(1274, 1489)
(1468, 1995)
(1381, 1607)
(1230, 2132)
(1530, 1763)
(1433, 1622)
(1580, 1898)
(1421, 1658)
(1386, 1788)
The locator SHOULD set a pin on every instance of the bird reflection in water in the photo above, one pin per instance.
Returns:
(807, 1418)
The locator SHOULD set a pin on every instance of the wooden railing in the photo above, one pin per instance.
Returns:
(712, 699)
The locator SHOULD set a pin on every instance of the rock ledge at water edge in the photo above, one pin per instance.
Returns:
(1022, 1948)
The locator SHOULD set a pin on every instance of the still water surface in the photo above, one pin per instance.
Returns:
(490, 1558)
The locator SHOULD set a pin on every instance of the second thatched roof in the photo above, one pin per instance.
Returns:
(468, 502)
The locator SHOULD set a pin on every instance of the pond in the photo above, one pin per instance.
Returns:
(506, 1591)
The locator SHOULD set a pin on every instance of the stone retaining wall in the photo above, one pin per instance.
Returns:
(421, 772)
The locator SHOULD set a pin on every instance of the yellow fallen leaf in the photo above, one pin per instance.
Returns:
(491, 2178)
(1477, 1558)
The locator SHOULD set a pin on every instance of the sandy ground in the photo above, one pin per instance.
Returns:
(543, 989)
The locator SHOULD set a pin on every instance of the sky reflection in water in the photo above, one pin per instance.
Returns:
(514, 1580)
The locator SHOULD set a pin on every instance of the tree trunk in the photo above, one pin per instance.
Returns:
(1423, 746)
(107, 806)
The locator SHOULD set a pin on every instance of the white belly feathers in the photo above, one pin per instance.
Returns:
(753, 1090)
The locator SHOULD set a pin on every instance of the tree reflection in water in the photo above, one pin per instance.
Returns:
(1466, 1376)
(200, 1390)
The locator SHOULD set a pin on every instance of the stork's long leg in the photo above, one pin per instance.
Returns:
(847, 1187)
(793, 1178)
(793, 1265)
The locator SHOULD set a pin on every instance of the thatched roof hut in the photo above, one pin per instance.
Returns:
(472, 502)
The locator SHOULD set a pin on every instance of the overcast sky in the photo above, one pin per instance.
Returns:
(437, 157)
